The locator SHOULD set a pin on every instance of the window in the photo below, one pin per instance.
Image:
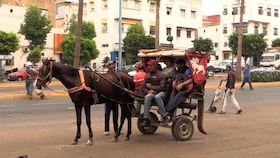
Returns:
(168, 10)
(105, 4)
(216, 45)
(234, 11)
(245, 29)
(189, 34)
(256, 29)
(225, 12)
(152, 6)
(260, 10)
(268, 11)
(168, 31)
(225, 30)
(152, 30)
(178, 33)
(276, 14)
(183, 12)
(104, 27)
(225, 44)
(193, 14)
(275, 31)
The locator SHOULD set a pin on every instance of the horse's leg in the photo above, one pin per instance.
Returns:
(88, 120)
(118, 133)
(128, 117)
(78, 109)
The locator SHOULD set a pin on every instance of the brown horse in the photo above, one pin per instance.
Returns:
(88, 87)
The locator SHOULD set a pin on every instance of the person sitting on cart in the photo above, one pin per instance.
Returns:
(170, 73)
(154, 88)
(182, 85)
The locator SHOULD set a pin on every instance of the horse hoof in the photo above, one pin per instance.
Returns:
(114, 140)
(89, 142)
(127, 138)
(74, 142)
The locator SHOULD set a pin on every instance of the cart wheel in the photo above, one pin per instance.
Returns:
(149, 129)
(182, 128)
(213, 109)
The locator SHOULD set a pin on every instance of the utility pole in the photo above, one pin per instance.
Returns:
(78, 36)
(239, 47)
(157, 24)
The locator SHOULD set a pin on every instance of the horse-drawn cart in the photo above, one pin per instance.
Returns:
(182, 122)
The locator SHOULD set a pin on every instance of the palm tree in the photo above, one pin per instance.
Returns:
(79, 33)
(239, 48)
(157, 24)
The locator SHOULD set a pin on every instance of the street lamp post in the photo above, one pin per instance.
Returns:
(120, 37)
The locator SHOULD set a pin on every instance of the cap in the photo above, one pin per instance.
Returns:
(152, 62)
(138, 65)
(180, 61)
(110, 62)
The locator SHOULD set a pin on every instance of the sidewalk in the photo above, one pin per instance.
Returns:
(58, 90)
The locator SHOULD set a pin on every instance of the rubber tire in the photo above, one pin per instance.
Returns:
(213, 109)
(182, 128)
(150, 129)
(19, 78)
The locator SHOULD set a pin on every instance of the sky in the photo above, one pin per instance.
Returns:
(211, 7)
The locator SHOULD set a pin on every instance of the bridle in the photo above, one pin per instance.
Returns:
(48, 76)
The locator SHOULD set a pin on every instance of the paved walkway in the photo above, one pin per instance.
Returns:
(60, 91)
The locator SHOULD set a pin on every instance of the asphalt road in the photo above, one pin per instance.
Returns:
(45, 128)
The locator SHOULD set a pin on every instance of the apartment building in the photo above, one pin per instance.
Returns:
(260, 16)
(178, 18)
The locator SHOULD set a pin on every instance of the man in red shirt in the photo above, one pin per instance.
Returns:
(138, 80)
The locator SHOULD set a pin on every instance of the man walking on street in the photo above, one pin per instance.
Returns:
(246, 77)
(230, 90)
(31, 76)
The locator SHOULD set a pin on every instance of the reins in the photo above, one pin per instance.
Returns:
(131, 93)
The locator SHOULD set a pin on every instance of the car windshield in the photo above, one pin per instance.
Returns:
(267, 58)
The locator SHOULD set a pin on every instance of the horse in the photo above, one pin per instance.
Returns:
(196, 67)
(87, 87)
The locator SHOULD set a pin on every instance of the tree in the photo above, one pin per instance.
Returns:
(88, 50)
(276, 42)
(253, 45)
(35, 55)
(135, 39)
(9, 43)
(202, 45)
(35, 27)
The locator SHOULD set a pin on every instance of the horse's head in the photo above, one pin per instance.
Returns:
(45, 75)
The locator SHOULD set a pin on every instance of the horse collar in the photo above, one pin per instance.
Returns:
(81, 87)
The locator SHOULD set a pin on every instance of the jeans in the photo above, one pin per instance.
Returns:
(159, 101)
(111, 106)
(29, 87)
(249, 82)
(177, 99)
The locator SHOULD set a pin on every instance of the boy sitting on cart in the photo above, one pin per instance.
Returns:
(182, 86)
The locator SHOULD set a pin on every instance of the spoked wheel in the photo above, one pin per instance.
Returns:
(182, 128)
(153, 125)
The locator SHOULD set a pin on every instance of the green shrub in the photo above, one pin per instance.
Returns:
(265, 75)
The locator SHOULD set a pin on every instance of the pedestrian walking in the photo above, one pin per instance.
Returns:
(230, 91)
(29, 82)
(246, 77)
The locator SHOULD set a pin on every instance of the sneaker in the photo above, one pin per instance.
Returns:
(106, 133)
(145, 123)
(222, 112)
(165, 121)
(239, 111)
